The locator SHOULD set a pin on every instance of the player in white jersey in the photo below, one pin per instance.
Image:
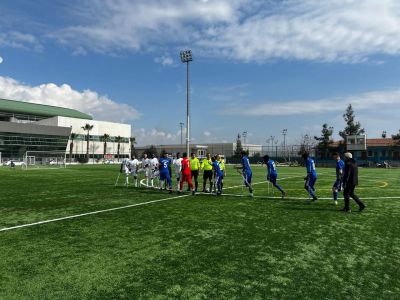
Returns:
(126, 169)
(177, 162)
(153, 169)
(146, 168)
(134, 164)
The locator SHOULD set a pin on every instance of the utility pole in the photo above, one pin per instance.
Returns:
(181, 125)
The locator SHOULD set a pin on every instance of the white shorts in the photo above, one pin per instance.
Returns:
(127, 171)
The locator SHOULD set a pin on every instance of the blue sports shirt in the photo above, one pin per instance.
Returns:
(246, 165)
(164, 165)
(339, 166)
(271, 168)
(217, 168)
(310, 166)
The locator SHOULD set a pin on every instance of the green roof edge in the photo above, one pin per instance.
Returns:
(42, 110)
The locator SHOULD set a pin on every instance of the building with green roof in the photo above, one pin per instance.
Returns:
(30, 129)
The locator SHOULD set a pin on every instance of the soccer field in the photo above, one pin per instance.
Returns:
(136, 243)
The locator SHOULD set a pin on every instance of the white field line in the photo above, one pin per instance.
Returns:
(103, 211)
(302, 198)
(159, 200)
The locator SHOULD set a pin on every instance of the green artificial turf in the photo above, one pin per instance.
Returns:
(202, 247)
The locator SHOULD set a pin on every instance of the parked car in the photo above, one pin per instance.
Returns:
(13, 163)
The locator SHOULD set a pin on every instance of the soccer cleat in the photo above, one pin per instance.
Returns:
(193, 193)
(336, 203)
(251, 195)
(314, 199)
(283, 195)
(361, 208)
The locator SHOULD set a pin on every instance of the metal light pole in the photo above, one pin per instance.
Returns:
(284, 133)
(186, 57)
(181, 125)
(244, 135)
(272, 143)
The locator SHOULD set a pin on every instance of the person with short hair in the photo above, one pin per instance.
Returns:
(350, 181)
(164, 165)
(194, 169)
(338, 184)
(221, 163)
(218, 175)
(146, 168)
(186, 174)
(246, 171)
(311, 177)
(207, 167)
(177, 162)
(272, 174)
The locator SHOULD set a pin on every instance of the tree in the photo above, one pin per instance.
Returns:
(87, 128)
(352, 127)
(119, 140)
(384, 134)
(71, 146)
(105, 138)
(152, 150)
(396, 138)
(133, 149)
(325, 140)
(239, 147)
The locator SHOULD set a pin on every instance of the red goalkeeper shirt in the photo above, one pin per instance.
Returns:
(186, 166)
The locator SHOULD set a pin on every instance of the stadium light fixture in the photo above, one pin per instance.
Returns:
(187, 57)
(244, 135)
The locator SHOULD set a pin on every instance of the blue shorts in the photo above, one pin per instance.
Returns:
(248, 176)
(338, 184)
(273, 178)
(310, 182)
(165, 176)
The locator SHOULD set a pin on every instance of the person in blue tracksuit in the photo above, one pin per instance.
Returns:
(272, 174)
(311, 177)
(218, 175)
(164, 166)
(338, 184)
(247, 173)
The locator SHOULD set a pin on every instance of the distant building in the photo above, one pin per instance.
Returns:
(28, 127)
(225, 149)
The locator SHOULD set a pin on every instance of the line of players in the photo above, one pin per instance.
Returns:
(186, 169)
(214, 167)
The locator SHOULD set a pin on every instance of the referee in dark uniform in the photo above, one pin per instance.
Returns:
(350, 181)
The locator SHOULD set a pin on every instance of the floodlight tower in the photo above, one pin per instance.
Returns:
(244, 135)
(187, 57)
(284, 133)
(181, 125)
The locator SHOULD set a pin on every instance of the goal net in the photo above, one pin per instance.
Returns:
(45, 159)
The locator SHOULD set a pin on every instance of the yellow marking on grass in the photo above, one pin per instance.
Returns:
(385, 184)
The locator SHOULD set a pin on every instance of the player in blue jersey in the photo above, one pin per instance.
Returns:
(272, 174)
(311, 177)
(218, 175)
(164, 166)
(246, 171)
(338, 185)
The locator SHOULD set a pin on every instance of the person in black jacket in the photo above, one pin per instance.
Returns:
(350, 181)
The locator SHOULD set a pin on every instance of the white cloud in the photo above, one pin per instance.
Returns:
(325, 31)
(101, 107)
(156, 137)
(207, 133)
(110, 26)
(165, 60)
(382, 100)
(15, 39)
(1, 60)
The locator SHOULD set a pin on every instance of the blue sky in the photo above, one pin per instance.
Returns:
(259, 66)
